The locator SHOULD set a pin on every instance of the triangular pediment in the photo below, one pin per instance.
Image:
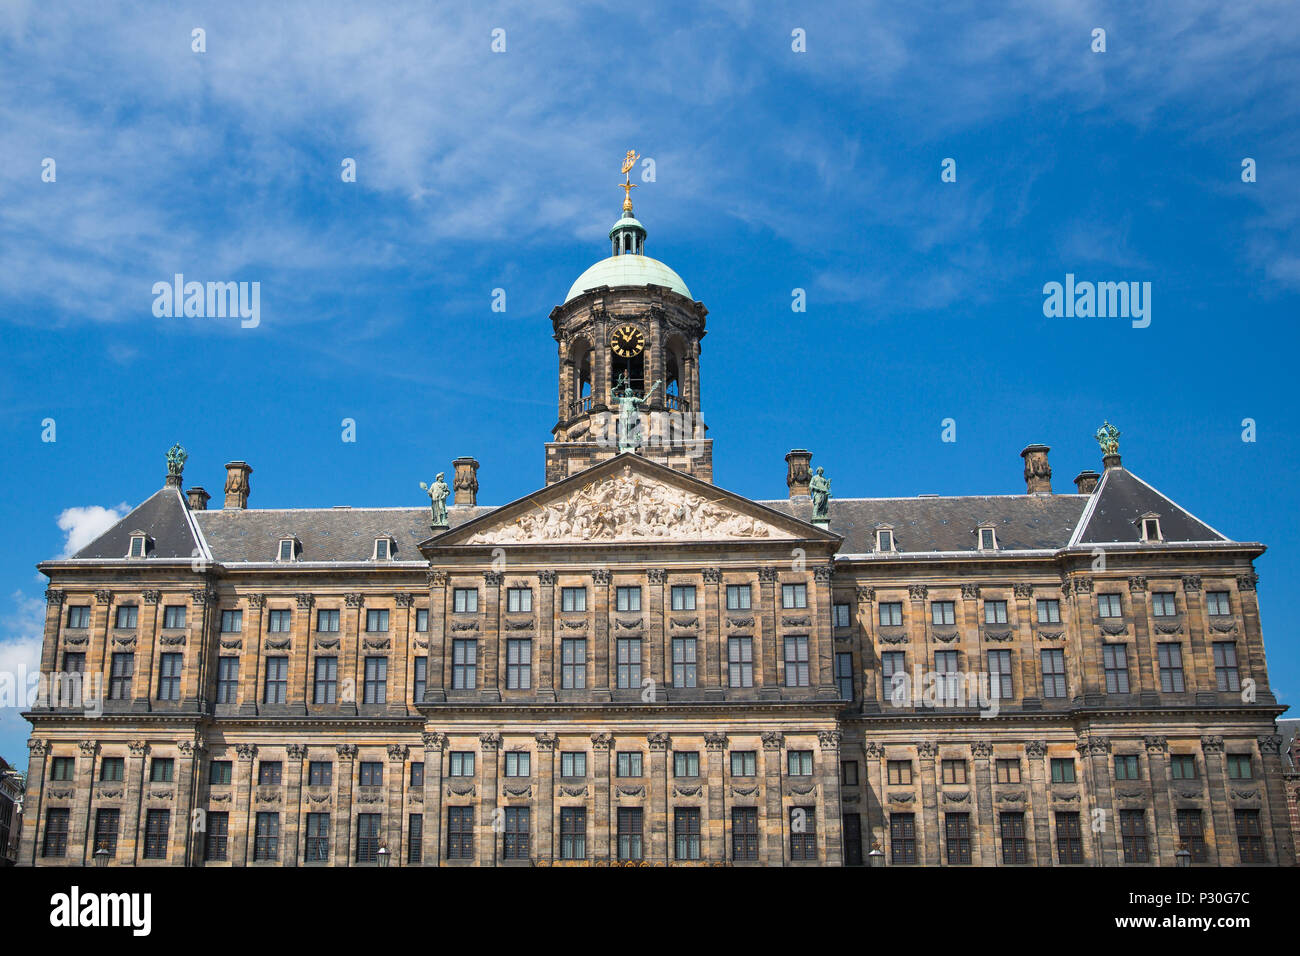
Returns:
(630, 500)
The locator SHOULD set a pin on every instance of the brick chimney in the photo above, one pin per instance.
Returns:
(237, 488)
(198, 498)
(465, 481)
(1038, 473)
(1086, 482)
(798, 471)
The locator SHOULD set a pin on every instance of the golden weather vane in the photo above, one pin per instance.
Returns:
(627, 185)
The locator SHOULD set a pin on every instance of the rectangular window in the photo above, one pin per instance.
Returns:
(156, 827)
(460, 833)
(1049, 611)
(106, 821)
(956, 831)
(1008, 769)
(516, 837)
(1133, 835)
(519, 664)
(227, 680)
(627, 599)
(1108, 605)
(902, 838)
(1114, 660)
(573, 764)
(518, 764)
(841, 615)
(422, 619)
(628, 764)
(794, 596)
(738, 597)
(377, 620)
(1239, 767)
(160, 770)
(232, 622)
(74, 662)
(1063, 770)
(1250, 839)
(948, 676)
(573, 599)
(78, 617)
(744, 834)
(1216, 602)
(629, 662)
(683, 662)
(121, 673)
(55, 842)
(1053, 663)
(174, 616)
(629, 833)
(279, 622)
(270, 773)
(111, 769)
(320, 773)
(62, 768)
(744, 763)
(318, 837)
(1191, 834)
(995, 612)
(683, 597)
(943, 613)
(954, 771)
(461, 763)
(218, 824)
(368, 837)
(844, 674)
(1226, 677)
(686, 833)
(416, 777)
(848, 773)
(803, 833)
(464, 665)
(519, 600)
(1182, 766)
(277, 680)
(686, 763)
(1000, 682)
(169, 677)
(415, 838)
(1162, 604)
(900, 773)
(1127, 767)
(573, 833)
(371, 773)
(1069, 838)
(465, 600)
(1171, 668)
(740, 662)
(893, 669)
(891, 614)
(1014, 848)
(796, 662)
(127, 616)
(327, 621)
(219, 773)
(266, 842)
(573, 663)
(799, 763)
(420, 679)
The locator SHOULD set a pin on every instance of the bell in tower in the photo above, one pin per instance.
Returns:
(629, 337)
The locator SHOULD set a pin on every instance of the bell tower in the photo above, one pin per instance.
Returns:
(629, 336)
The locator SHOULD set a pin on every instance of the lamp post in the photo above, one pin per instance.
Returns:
(383, 854)
(877, 856)
(1184, 856)
(101, 856)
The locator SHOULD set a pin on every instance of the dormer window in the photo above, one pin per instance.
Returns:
(288, 549)
(1151, 528)
(988, 538)
(383, 548)
(884, 539)
(139, 545)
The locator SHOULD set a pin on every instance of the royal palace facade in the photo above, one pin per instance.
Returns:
(634, 665)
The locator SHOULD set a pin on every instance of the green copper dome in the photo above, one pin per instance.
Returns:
(628, 269)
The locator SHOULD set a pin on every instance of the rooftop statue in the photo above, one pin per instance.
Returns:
(1108, 438)
(176, 457)
(819, 486)
(437, 492)
(629, 419)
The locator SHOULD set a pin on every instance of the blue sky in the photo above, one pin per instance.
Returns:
(774, 170)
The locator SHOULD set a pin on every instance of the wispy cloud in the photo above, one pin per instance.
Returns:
(83, 525)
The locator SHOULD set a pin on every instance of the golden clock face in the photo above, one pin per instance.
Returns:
(627, 341)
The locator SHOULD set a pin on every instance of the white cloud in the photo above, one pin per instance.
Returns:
(83, 525)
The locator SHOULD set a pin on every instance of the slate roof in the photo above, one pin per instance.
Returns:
(1122, 498)
(165, 517)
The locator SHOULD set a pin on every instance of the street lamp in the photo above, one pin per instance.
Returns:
(101, 856)
(877, 856)
(1184, 856)
(383, 854)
